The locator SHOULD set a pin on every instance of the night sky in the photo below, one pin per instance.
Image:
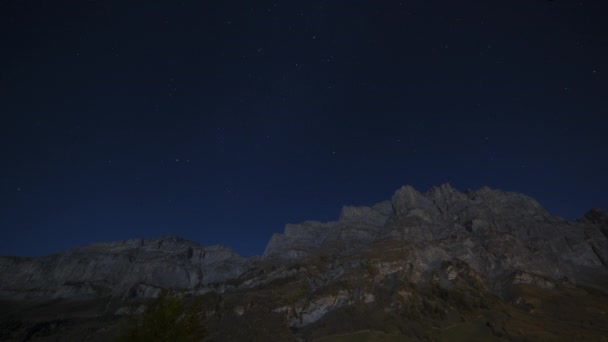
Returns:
(221, 121)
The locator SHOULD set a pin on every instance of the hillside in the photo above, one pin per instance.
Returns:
(440, 265)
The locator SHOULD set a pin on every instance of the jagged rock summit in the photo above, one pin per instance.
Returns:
(435, 259)
(496, 232)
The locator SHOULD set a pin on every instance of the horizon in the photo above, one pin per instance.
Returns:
(280, 232)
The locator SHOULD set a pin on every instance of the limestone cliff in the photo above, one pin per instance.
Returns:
(496, 232)
(429, 258)
(120, 268)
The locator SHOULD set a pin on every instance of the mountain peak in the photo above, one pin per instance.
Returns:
(473, 242)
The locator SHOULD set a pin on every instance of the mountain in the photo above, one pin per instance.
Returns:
(131, 268)
(442, 264)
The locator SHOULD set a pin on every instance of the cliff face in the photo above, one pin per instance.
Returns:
(137, 267)
(495, 232)
(437, 253)
(355, 229)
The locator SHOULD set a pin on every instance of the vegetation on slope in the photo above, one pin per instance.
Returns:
(167, 319)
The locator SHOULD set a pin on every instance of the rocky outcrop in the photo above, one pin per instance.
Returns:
(137, 268)
(503, 237)
(595, 216)
(420, 253)
(299, 240)
(496, 232)
(356, 228)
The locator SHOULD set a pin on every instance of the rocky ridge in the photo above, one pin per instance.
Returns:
(495, 232)
(130, 268)
(477, 243)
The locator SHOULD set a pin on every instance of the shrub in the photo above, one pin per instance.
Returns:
(168, 318)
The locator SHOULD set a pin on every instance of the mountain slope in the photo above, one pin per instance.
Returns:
(442, 264)
(137, 267)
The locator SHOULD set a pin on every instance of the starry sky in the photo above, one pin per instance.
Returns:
(221, 121)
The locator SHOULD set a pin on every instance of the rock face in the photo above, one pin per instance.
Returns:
(137, 267)
(460, 245)
(496, 232)
(356, 227)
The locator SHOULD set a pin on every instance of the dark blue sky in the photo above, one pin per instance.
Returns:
(223, 121)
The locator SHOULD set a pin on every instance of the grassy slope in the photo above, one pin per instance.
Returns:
(568, 314)
(366, 336)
